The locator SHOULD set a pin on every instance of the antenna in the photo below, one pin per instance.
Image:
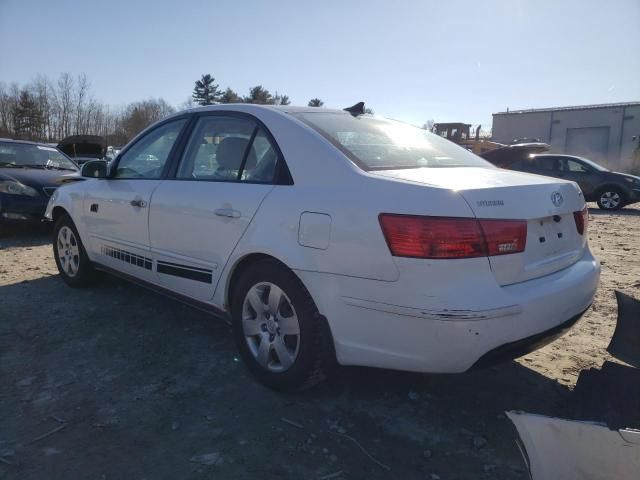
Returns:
(355, 110)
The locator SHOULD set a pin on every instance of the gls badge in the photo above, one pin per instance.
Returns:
(556, 198)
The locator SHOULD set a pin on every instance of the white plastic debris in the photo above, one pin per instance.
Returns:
(558, 449)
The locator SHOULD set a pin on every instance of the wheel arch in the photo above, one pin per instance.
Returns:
(613, 186)
(329, 357)
(244, 262)
(239, 266)
(58, 212)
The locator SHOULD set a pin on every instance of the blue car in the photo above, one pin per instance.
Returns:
(29, 174)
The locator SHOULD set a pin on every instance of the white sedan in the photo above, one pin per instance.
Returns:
(329, 236)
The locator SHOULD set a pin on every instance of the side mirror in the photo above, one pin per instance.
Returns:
(94, 169)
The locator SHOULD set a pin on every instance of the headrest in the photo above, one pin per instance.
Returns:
(230, 152)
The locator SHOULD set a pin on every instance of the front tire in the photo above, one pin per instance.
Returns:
(283, 340)
(70, 255)
(611, 199)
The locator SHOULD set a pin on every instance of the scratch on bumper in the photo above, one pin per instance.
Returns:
(443, 314)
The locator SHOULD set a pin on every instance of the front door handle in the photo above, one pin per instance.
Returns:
(227, 212)
(138, 203)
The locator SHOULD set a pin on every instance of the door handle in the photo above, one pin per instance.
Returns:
(138, 203)
(227, 212)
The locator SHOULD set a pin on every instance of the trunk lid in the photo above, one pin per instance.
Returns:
(546, 204)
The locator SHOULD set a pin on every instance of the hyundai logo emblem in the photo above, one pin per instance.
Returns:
(556, 198)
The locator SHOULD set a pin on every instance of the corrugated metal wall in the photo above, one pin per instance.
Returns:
(602, 134)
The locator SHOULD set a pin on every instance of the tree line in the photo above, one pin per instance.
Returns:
(48, 110)
(207, 92)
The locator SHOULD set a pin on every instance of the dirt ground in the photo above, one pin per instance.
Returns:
(117, 382)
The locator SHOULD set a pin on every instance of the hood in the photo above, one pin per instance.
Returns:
(88, 146)
(39, 178)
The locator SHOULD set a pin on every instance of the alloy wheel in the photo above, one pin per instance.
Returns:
(610, 200)
(68, 251)
(271, 327)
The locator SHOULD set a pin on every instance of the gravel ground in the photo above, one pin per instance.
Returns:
(118, 382)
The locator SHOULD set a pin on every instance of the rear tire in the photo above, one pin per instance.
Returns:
(284, 341)
(70, 255)
(610, 199)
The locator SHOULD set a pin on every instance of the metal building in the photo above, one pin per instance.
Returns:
(607, 133)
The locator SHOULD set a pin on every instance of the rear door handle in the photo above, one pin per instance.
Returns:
(227, 212)
(138, 203)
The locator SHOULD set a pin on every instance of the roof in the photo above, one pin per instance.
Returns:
(576, 107)
(255, 106)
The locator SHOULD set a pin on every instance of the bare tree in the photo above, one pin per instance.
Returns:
(64, 105)
(42, 91)
(187, 104)
(81, 94)
(139, 115)
(281, 99)
(6, 124)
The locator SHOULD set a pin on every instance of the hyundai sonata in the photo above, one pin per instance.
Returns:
(325, 235)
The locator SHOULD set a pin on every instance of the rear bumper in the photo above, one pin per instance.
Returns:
(527, 345)
(462, 318)
(22, 209)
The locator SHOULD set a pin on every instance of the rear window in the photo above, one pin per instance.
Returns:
(375, 143)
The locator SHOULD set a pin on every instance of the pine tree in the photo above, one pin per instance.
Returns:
(315, 102)
(206, 92)
(259, 95)
(230, 96)
(27, 117)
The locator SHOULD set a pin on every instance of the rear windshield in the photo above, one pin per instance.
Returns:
(375, 143)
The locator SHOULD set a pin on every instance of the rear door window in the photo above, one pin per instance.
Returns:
(573, 166)
(546, 163)
(231, 149)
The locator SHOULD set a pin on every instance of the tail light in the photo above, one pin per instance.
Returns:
(582, 220)
(504, 236)
(444, 237)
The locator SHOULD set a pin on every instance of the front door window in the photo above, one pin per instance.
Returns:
(148, 157)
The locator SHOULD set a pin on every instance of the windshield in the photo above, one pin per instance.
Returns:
(26, 155)
(375, 143)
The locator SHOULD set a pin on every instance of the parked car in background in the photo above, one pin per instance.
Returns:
(83, 148)
(611, 190)
(112, 153)
(29, 174)
(506, 155)
(323, 236)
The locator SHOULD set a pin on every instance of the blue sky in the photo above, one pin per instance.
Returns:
(408, 59)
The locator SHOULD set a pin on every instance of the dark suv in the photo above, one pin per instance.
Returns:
(611, 190)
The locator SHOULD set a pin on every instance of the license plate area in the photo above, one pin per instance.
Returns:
(552, 235)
